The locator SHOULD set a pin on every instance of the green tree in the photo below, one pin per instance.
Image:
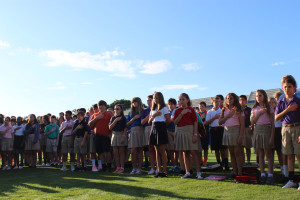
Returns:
(125, 103)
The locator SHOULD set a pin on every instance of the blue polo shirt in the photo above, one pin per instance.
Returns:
(136, 122)
(291, 117)
(145, 113)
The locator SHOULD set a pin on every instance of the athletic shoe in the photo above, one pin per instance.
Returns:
(95, 169)
(117, 170)
(161, 175)
(47, 165)
(63, 169)
(262, 179)
(171, 169)
(138, 171)
(3, 168)
(8, 168)
(290, 184)
(270, 180)
(73, 168)
(181, 173)
(199, 177)
(43, 165)
(121, 170)
(20, 167)
(52, 164)
(133, 171)
(16, 167)
(186, 176)
(299, 187)
(152, 171)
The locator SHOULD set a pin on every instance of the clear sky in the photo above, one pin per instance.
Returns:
(61, 54)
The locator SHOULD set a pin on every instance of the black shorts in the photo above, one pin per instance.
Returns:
(205, 140)
(158, 134)
(102, 144)
(19, 144)
(277, 139)
(217, 138)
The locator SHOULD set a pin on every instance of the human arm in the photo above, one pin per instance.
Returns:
(290, 108)
(223, 118)
(195, 134)
(112, 124)
(133, 119)
(180, 116)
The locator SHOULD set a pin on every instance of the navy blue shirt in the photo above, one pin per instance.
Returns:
(120, 125)
(291, 117)
(136, 122)
(247, 113)
(145, 113)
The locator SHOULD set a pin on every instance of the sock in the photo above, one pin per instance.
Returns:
(263, 174)
(291, 176)
(64, 164)
(188, 173)
(93, 162)
(270, 175)
(72, 164)
(285, 170)
(99, 164)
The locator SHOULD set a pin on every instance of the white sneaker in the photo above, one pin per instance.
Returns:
(290, 184)
(47, 165)
(199, 177)
(94, 169)
(63, 169)
(186, 176)
(73, 168)
(16, 167)
(133, 171)
(8, 168)
(20, 167)
(138, 171)
(299, 187)
(43, 165)
(151, 172)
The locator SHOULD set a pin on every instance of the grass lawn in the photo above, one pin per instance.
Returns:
(51, 183)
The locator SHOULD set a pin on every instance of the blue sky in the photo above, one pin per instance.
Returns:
(60, 55)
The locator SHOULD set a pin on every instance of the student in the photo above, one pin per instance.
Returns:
(232, 117)
(137, 137)
(43, 140)
(288, 111)
(80, 132)
(147, 126)
(100, 123)
(67, 142)
(19, 142)
(171, 146)
(7, 144)
(262, 118)
(221, 100)
(187, 134)
(216, 132)
(32, 144)
(119, 137)
(248, 135)
(205, 138)
(94, 109)
(52, 134)
(160, 118)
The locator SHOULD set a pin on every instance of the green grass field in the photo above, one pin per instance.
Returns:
(51, 183)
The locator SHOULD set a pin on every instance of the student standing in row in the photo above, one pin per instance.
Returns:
(52, 134)
(205, 138)
(7, 144)
(19, 142)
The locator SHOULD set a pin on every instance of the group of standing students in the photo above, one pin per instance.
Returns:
(165, 131)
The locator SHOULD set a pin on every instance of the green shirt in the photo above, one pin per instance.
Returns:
(49, 128)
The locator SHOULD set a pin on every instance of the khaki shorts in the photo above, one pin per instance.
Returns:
(116, 138)
(171, 138)
(147, 134)
(248, 139)
(290, 137)
(29, 146)
(231, 136)
(6, 144)
(184, 139)
(92, 148)
(51, 145)
(262, 136)
(77, 146)
(67, 144)
(137, 137)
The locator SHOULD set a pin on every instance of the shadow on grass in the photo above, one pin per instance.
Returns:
(47, 180)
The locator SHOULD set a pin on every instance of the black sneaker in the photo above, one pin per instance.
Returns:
(181, 173)
(270, 180)
(157, 175)
(161, 175)
(262, 179)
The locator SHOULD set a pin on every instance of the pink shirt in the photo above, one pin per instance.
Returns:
(65, 124)
(264, 118)
(232, 121)
(8, 133)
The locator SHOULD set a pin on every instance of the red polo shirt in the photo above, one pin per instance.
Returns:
(101, 126)
(188, 119)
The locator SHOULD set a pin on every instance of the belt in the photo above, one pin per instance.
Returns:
(216, 127)
(79, 136)
(291, 125)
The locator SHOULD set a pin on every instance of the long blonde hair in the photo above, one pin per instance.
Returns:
(137, 110)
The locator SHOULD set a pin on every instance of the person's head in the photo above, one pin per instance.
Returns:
(273, 103)
(96, 109)
(68, 115)
(172, 104)
(53, 119)
(7, 121)
(149, 100)
(19, 121)
(184, 100)
(243, 100)
(158, 101)
(110, 110)
(61, 114)
(32, 119)
(74, 117)
(102, 105)
(25, 121)
(197, 109)
(49, 115)
(80, 115)
(262, 100)
(46, 119)
(1, 116)
(221, 98)
(91, 111)
(13, 121)
(277, 95)
(216, 102)
(82, 110)
(118, 110)
(61, 120)
(1, 120)
(202, 106)
(289, 85)
(136, 106)
(232, 101)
